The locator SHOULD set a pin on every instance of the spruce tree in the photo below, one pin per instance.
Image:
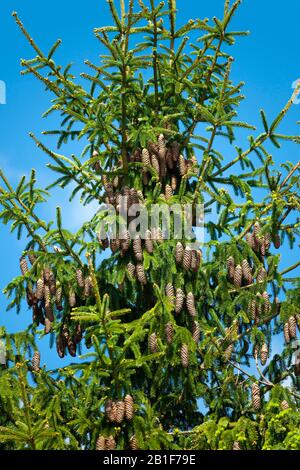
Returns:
(168, 328)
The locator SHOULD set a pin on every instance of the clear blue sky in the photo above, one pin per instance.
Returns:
(268, 61)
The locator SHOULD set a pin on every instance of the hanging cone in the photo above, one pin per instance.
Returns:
(110, 443)
(152, 342)
(100, 443)
(131, 269)
(52, 284)
(252, 310)
(114, 245)
(196, 331)
(140, 272)
(256, 402)
(169, 331)
(23, 265)
(133, 443)
(88, 286)
(264, 353)
(162, 149)
(175, 149)
(46, 274)
(173, 183)
(155, 164)
(187, 258)
(78, 334)
(125, 241)
(247, 272)
(286, 332)
(169, 160)
(36, 361)
(168, 192)
(179, 300)
(267, 241)
(228, 353)
(137, 248)
(255, 352)
(58, 297)
(129, 407)
(179, 251)
(163, 169)
(250, 240)
(190, 303)
(262, 275)
(170, 293)
(60, 346)
(148, 242)
(48, 326)
(238, 275)
(40, 289)
(236, 446)
(111, 411)
(71, 348)
(31, 258)
(256, 230)
(72, 298)
(184, 354)
(277, 242)
(182, 165)
(145, 157)
(262, 245)
(230, 267)
(120, 412)
(284, 405)
(292, 327)
(267, 303)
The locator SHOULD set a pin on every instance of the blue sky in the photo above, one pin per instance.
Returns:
(268, 61)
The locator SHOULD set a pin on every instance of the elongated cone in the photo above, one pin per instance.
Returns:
(36, 361)
(256, 401)
(262, 275)
(286, 332)
(228, 353)
(190, 303)
(137, 248)
(23, 265)
(72, 298)
(148, 242)
(238, 275)
(267, 241)
(40, 289)
(250, 240)
(182, 165)
(173, 182)
(152, 342)
(267, 303)
(170, 293)
(120, 412)
(236, 446)
(175, 149)
(133, 443)
(247, 271)
(78, 334)
(52, 283)
(31, 258)
(230, 267)
(48, 326)
(179, 253)
(60, 348)
(140, 272)
(58, 297)
(110, 443)
(145, 157)
(264, 353)
(187, 258)
(277, 242)
(111, 411)
(125, 241)
(252, 309)
(169, 160)
(162, 149)
(284, 405)
(129, 407)
(79, 278)
(169, 331)
(256, 230)
(88, 286)
(100, 443)
(168, 192)
(179, 300)
(184, 354)
(196, 331)
(131, 269)
(292, 327)
(262, 245)
(71, 348)
(155, 164)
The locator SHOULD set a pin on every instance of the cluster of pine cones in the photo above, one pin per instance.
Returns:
(65, 340)
(118, 411)
(187, 258)
(261, 243)
(109, 443)
(290, 328)
(262, 352)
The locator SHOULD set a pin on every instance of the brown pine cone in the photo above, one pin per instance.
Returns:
(58, 297)
(228, 353)
(262, 245)
(179, 300)
(250, 240)
(169, 331)
(36, 359)
(184, 354)
(277, 242)
(46, 274)
(175, 149)
(39, 289)
(52, 284)
(267, 303)
(169, 160)
(145, 157)
(133, 443)
(129, 407)
(168, 191)
(238, 275)
(110, 443)
(173, 183)
(284, 405)
(111, 411)
(125, 241)
(148, 242)
(152, 342)
(179, 251)
(264, 353)
(23, 265)
(120, 412)
(247, 272)
(236, 446)
(88, 286)
(170, 293)
(162, 149)
(137, 248)
(182, 165)
(72, 299)
(292, 327)
(100, 443)
(230, 267)
(31, 258)
(71, 348)
(48, 326)
(78, 334)
(187, 258)
(256, 401)
(155, 164)
(131, 269)
(256, 230)
(252, 310)
(140, 272)
(190, 303)
(60, 348)
(196, 331)
(262, 275)
(286, 332)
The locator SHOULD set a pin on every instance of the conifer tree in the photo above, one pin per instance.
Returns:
(166, 326)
